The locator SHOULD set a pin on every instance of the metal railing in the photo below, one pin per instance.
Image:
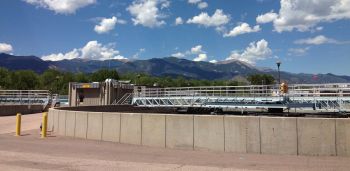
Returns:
(327, 96)
(25, 97)
(302, 90)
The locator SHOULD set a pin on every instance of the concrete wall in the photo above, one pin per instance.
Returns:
(130, 130)
(209, 133)
(94, 129)
(239, 134)
(179, 131)
(153, 130)
(70, 123)
(111, 127)
(81, 124)
(278, 135)
(343, 137)
(62, 122)
(316, 136)
(8, 110)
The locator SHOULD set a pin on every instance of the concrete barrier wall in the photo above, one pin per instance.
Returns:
(153, 130)
(278, 135)
(240, 134)
(70, 123)
(55, 120)
(316, 136)
(111, 127)
(342, 137)
(130, 130)
(81, 121)
(179, 131)
(94, 129)
(209, 133)
(50, 118)
(62, 122)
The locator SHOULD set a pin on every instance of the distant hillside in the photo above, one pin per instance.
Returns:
(169, 66)
(23, 63)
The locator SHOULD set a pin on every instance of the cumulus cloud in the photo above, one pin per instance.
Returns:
(5, 48)
(147, 13)
(194, 1)
(93, 50)
(106, 25)
(304, 15)
(178, 21)
(61, 6)
(266, 18)
(200, 4)
(201, 57)
(197, 49)
(178, 55)
(216, 20)
(320, 39)
(242, 29)
(298, 51)
(254, 52)
(213, 61)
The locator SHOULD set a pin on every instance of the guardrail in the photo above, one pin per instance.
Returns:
(25, 97)
(298, 90)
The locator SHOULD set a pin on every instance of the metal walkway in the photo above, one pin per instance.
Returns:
(328, 97)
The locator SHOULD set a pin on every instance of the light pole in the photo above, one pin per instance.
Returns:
(279, 74)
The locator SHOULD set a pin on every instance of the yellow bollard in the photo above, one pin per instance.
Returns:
(18, 124)
(44, 125)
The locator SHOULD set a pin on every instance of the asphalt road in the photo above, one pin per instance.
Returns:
(30, 152)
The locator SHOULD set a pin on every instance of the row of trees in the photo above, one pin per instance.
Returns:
(57, 82)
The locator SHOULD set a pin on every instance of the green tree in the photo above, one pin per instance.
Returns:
(81, 78)
(50, 80)
(261, 79)
(103, 74)
(24, 80)
(5, 79)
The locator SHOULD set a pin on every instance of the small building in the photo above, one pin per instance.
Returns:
(98, 93)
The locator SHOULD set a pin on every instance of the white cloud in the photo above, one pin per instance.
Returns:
(298, 51)
(216, 20)
(197, 49)
(254, 52)
(202, 5)
(178, 21)
(138, 53)
(320, 39)
(106, 25)
(242, 29)
(194, 1)
(201, 57)
(178, 55)
(266, 18)
(146, 12)
(213, 61)
(5, 48)
(92, 51)
(304, 15)
(61, 6)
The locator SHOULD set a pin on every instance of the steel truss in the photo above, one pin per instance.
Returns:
(316, 96)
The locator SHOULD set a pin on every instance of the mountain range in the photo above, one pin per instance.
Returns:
(168, 66)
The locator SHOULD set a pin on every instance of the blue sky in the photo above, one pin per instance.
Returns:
(307, 36)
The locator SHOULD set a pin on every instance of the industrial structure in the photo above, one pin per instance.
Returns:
(98, 93)
(271, 98)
